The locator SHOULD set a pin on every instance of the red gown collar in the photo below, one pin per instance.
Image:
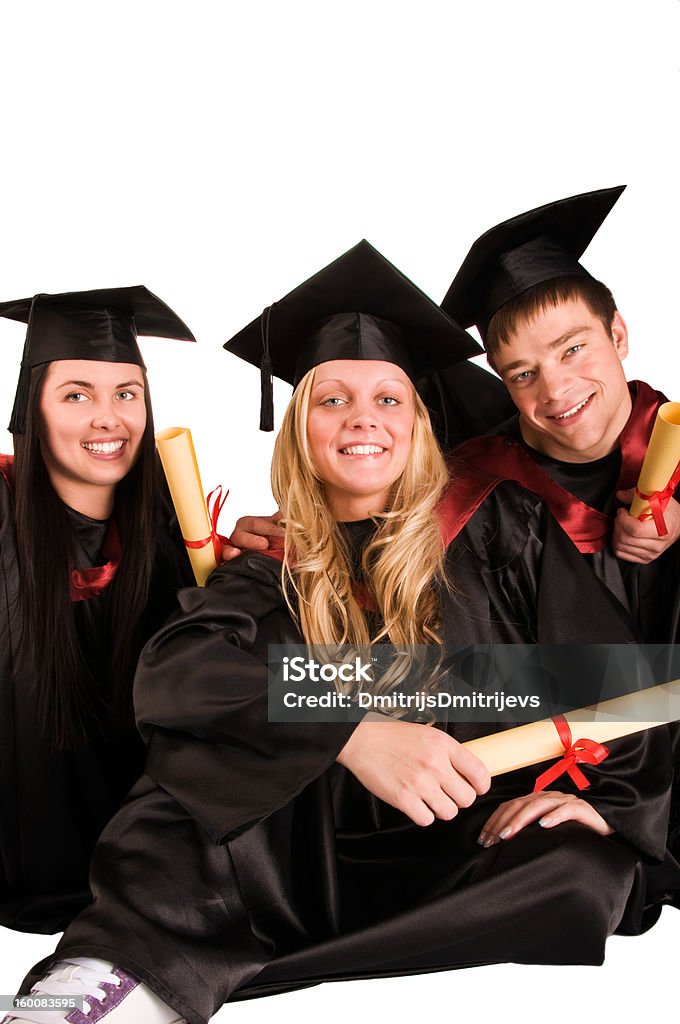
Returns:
(503, 458)
(6, 468)
(91, 582)
(84, 582)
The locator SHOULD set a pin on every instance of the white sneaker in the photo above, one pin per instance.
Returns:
(109, 995)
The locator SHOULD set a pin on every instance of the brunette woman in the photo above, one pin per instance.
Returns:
(90, 561)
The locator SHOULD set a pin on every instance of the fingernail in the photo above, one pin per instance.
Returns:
(505, 833)
(545, 822)
(482, 838)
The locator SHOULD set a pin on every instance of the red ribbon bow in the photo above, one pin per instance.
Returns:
(584, 751)
(214, 515)
(658, 503)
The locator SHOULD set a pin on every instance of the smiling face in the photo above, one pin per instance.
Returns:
(359, 428)
(564, 374)
(92, 419)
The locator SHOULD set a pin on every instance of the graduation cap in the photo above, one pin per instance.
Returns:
(102, 324)
(358, 307)
(524, 251)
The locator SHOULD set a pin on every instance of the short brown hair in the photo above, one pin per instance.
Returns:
(505, 322)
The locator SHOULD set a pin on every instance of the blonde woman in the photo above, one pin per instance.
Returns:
(258, 855)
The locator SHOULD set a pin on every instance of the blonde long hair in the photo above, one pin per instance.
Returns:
(401, 562)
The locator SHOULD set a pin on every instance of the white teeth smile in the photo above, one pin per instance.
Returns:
(572, 412)
(362, 449)
(102, 447)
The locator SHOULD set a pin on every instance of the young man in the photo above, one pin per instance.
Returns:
(556, 338)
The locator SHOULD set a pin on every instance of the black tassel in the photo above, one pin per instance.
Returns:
(267, 394)
(266, 381)
(17, 423)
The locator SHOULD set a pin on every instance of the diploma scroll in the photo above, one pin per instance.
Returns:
(659, 467)
(177, 454)
(539, 741)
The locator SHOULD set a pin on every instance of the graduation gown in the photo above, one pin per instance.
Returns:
(53, 806)
(247, 861)
(584, 501)
(582, 496)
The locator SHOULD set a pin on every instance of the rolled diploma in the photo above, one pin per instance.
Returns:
(662, 458)
(176, 450)
(538, 741)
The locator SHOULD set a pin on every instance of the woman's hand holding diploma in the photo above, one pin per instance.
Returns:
(419, 770)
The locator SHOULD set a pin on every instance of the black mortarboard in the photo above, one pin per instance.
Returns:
(358, 307)
(524, 251)
(102, 324)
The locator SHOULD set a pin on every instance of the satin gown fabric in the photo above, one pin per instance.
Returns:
(246, 861)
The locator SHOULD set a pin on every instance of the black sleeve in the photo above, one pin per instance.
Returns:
(631, 789)
(533, 581)
(201, 703)
(520, 579)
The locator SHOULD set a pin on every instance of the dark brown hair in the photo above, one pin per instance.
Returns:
(73, 706)
(531, 303)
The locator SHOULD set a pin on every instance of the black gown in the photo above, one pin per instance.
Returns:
(246, 861)
(53, 806)
(648, 594)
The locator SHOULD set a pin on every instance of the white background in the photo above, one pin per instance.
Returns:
(221, 152)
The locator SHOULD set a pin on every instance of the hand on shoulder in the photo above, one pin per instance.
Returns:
(255, 533)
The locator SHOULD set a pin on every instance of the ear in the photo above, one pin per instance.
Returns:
(620, 335)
